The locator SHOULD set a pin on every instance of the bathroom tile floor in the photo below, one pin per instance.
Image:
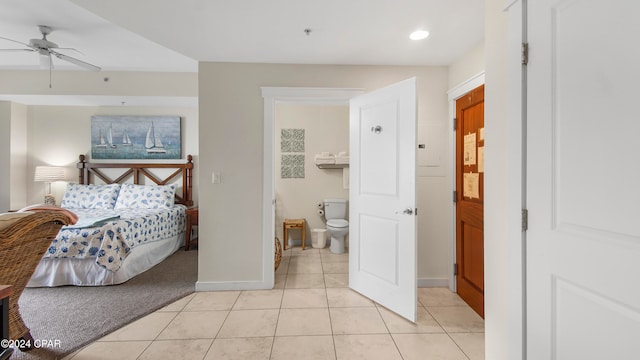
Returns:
(310, 314)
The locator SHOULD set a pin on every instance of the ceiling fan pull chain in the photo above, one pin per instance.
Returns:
(50, 66)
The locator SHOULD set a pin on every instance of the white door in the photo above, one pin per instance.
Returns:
(583, 171)
(382, 219)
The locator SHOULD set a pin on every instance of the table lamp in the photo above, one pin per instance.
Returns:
(49, 174)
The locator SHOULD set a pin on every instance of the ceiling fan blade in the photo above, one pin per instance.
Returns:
(16, 41)
(17, 50)
(72, 49)
(72, 60)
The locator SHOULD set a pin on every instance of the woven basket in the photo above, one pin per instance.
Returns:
(278, 254)
(22, 245)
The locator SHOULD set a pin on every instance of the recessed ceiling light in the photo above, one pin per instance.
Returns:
(419, 35)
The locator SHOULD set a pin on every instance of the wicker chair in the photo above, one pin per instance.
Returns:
(22, 245)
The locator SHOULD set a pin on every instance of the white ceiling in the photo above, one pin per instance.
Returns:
(170, 35)
(98, 41)
(173, 35)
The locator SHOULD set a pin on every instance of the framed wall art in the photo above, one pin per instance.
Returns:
(292, 165)
(135, 137)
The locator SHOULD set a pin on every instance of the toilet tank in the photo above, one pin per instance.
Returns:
(335, 209)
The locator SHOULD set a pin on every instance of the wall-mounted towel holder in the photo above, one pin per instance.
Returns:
(332, 166)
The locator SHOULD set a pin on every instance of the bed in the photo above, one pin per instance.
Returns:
(127, 223)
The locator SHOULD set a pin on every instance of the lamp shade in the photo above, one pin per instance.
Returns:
(49, 173)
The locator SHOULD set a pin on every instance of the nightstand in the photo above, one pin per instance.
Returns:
(192, 219)
(5, 292)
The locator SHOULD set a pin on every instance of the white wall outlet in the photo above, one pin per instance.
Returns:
(215, 177)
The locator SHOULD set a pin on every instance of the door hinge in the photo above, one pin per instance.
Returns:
(525, 219)
(455, 196)
(455, 124)
(416, 212)
(525, 53)
(455, 269)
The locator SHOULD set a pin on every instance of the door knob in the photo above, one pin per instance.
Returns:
(407, 211)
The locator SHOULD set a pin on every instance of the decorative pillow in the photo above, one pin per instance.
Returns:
(146, 196)
(90, 196)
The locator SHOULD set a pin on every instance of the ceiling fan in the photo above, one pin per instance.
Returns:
(47, 48)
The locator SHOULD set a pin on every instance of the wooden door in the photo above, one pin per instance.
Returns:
(583, 240)
(470, 198)
(382, 198)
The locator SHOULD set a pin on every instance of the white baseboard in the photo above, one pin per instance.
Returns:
(232, 285)
(433, 282)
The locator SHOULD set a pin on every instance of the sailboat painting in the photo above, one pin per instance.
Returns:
(126, 141)
(135, 137)
(153, 142)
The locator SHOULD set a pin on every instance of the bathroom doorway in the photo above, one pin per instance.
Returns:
(302, 134)
(375, 108)
(283, 95)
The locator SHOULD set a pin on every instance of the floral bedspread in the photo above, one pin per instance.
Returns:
(112, 242)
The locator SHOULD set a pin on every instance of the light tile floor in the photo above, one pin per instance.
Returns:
(311, 314)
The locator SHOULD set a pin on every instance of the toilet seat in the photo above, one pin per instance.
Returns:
(338, 223)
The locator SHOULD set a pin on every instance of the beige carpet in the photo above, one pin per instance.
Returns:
(77, 316)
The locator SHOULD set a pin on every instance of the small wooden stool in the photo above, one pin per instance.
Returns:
(292, 224)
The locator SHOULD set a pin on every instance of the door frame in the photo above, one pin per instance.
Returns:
(285, 95)
(454, 94)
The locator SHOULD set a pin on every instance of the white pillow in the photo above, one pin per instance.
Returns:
(90, 196)
(146, 196)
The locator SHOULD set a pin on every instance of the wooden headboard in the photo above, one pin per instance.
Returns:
(87, 172)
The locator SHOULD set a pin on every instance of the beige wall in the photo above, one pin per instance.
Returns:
(76, 83)
(18, 170)
(469, 65)
(231, 141)
(58, 134)
(5, 155)
(13, 155)
(326, 129)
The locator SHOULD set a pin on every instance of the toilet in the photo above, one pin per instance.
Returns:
(335, 211)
